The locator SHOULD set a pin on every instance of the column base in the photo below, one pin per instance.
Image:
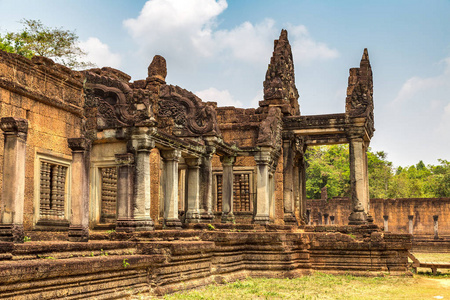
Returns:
(228, 218)
(206, 217)
(125, 225)
(357, 218)
(192, 217)
(11, 233)
(144, 224)
(290, 219)
(78, 234)
(172, 223)
(263, 220)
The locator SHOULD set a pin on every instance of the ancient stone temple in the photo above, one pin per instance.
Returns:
(183, 191)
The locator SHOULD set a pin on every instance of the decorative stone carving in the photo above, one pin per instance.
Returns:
(270, 129)
(114, 103)
(359, 101)
(188, 113)
(279, 85)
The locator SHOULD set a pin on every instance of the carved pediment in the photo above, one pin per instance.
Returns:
(185, 112)
(114, 104)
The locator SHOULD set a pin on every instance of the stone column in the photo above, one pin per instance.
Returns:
(227, 188)
(262, 159)
(79, 222)
(125, 195)
(288, 183)
(411, 224)
(206, 175)
(308, 217)
(302, 187)
(193, 185)
(436, 227)
(386, 223)
(170, 185)
(272, 193)
(12, 201)
(358, 182)
(142, 144)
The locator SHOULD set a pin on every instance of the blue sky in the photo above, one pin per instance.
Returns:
(220, 50)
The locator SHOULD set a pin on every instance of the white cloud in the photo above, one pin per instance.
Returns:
(305, 49)
(99, 53)
(223, 98)
(181, 29)
(176, 26)
(415, 86)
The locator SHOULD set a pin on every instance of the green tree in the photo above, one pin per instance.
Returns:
(380, 173)
(37, 39)
(327, 166)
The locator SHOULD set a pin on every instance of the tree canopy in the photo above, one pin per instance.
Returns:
(35, 38)
(329, 166)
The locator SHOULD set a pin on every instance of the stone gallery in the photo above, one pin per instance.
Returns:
(126, 187)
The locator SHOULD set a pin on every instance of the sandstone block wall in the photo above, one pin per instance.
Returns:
(51, 98)
(398, 212)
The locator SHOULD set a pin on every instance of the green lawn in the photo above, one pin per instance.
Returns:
(324, 286)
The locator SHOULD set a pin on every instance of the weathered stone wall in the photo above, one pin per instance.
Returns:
(398, 212)
(51, 98)
(239, 125)
(119, 264)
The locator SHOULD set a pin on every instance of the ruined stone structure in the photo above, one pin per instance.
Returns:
(86, 152)
(405, 215)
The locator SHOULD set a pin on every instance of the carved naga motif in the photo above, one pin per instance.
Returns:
(116, 104)
(187, 111)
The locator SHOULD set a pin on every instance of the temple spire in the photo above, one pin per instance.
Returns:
(279, 85)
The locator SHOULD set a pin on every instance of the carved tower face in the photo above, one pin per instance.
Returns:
(279, 85)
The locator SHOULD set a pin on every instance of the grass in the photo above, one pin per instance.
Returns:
(325, 286)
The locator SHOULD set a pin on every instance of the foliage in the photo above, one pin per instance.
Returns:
(26, 239)
(35, 38)
(329, 166)
(125, 263)
(211, 227)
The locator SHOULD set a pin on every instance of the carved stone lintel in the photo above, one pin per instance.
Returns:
(14, 125)
(79, 144)
(124, 159)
